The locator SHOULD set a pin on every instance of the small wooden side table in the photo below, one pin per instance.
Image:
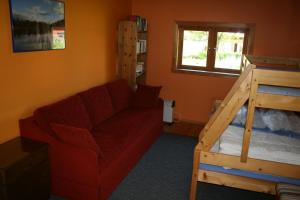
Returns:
(24, 170)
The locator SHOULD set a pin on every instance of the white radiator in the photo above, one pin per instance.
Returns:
(168, 110)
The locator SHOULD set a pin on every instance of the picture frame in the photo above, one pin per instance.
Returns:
(37, 25)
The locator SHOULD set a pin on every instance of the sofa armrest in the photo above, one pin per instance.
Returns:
(67, 161)
(74, 163)
(29, 129)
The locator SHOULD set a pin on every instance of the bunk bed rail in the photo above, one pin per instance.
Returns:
(273, 61)
(278, 77)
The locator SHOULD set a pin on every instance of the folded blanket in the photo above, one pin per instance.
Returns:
(288, 192)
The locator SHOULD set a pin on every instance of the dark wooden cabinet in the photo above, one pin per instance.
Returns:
(24, 170)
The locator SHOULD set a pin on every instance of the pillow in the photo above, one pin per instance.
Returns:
(146, 96)
(120, 94)
(76, 136)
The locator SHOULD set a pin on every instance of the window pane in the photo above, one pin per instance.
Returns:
(229, 50)
(195, 48)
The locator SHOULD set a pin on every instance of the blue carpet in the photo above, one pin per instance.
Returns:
(164, 173)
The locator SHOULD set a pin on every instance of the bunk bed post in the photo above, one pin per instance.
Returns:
(194, 180)
(250, 116)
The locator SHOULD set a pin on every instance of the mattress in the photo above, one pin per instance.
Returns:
(287, 91)
(263, 145)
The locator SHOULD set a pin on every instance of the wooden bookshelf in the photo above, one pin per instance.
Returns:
(132, 50)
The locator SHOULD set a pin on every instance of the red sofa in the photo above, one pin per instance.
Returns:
(111, 130)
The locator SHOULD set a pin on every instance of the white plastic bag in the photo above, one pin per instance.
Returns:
(276, 120)
(240, 118)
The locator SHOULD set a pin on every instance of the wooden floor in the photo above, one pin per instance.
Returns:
(184, 128)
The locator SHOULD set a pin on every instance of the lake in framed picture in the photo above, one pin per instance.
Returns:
(37, 25)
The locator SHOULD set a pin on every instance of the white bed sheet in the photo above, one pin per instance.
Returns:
(264, 146)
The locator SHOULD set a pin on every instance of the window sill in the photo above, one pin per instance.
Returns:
(207, 73)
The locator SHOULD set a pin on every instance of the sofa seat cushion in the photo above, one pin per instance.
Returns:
(120, 159)
(70, 111)
(123, 121)
(115, 135)
(111, 146)
(120, 93)
(98, 104)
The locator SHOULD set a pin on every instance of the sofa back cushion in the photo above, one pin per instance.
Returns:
(98, 104)
(78, 137)
(146, 96)
(120, 93)
(70, 111)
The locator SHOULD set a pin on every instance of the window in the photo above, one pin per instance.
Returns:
(215, 48)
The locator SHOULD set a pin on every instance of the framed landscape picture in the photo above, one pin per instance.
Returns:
(37, 25)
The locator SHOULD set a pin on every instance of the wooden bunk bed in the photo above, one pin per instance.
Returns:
(245, 90)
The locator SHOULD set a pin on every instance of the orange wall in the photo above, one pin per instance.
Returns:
(276, 22)
(29, 80)
(295, 40)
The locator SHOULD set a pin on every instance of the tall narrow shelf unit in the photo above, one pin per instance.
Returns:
(132, 51)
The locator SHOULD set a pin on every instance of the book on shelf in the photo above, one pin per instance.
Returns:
(138, 50)
(139, 69)
(142, 24)
(141, 46)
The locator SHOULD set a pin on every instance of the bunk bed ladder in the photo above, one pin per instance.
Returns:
(235, 99)
(220, 120)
